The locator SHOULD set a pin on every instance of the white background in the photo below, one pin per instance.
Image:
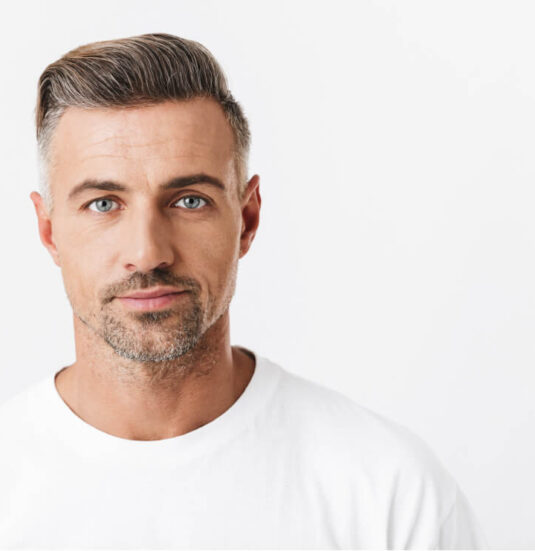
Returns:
(394, 261)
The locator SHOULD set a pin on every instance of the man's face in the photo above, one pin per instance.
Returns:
(112, 242)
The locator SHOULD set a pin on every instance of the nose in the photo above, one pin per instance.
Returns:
(147, 241)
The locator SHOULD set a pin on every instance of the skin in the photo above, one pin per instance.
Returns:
(149, 375)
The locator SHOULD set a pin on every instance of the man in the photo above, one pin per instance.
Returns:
(161, 434)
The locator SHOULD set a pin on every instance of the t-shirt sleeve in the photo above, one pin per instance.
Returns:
(461, 529)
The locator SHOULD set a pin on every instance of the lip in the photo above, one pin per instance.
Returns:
(152, 303)
(152, 293)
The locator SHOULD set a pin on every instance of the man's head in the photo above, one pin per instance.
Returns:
(128, 72)
(147, 190)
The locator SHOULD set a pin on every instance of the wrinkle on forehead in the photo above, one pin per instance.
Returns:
(164, 150)
(139, 158)
(172, 129)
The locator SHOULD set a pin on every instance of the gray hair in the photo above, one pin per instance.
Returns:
(135, 71)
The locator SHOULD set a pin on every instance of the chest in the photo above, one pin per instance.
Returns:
(233, 499)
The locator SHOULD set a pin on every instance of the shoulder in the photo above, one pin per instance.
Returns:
(21, 409)
(16, 404)
(361, 444)
(334, 416)
(369, 459)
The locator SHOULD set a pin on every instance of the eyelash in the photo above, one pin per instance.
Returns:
(86, 207)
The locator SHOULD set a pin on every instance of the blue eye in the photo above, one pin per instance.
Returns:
(105, 202)
(192, 202)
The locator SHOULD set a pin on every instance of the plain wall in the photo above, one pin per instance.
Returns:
(395, 256)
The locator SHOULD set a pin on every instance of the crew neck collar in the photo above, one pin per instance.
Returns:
(76, 434)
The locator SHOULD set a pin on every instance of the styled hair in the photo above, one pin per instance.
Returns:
(128, 72)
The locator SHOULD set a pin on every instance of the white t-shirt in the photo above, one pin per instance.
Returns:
(291, 464)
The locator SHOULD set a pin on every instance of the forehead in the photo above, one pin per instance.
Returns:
(179, 132)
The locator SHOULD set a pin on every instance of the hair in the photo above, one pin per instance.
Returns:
(129, 72)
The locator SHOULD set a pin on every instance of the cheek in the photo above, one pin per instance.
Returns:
(214, 257)
(86, 246)
(82, 265)
(74, 239)
(78, 279)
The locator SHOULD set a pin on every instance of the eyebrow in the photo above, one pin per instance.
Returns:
(174, 183)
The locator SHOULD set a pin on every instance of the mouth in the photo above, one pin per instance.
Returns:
(152, 303)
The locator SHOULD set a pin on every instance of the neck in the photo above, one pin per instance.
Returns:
(151, 401)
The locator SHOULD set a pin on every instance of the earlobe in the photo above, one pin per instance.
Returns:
(44, 223)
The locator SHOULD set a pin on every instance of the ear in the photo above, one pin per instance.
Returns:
(250, 213)
(45, 226)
